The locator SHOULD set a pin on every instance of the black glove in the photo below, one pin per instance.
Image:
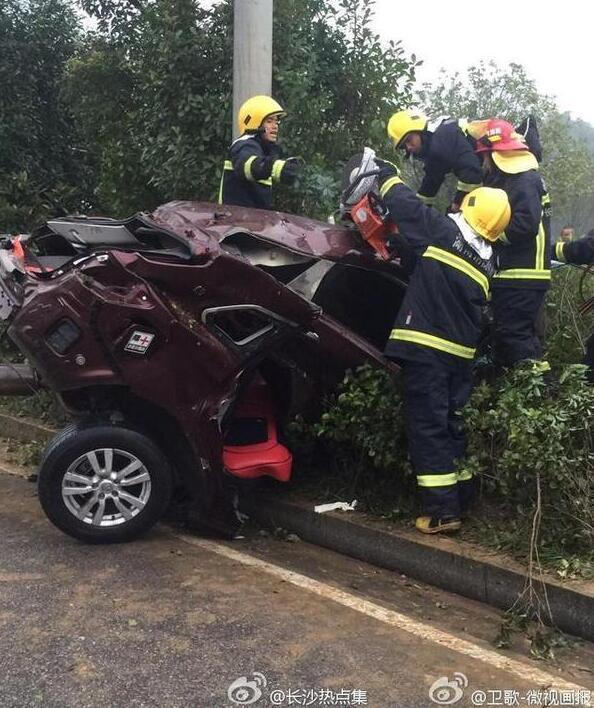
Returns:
(291, 170)
(387, 169)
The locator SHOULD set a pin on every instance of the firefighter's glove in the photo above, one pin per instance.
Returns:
(387, 169)
(290, 170)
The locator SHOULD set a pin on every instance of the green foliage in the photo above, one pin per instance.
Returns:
(339, 84)
(527, 427)
(543, 640)
(486, 90)
(567, 329)
(568, 166)
(158, 76)
(583, 132)
(366, 416)
(152, 99)
(8, 352)
(24, 454)
(357, 448)
(42, 170)
(43, 406)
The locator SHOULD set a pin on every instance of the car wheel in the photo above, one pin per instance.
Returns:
(104, 484)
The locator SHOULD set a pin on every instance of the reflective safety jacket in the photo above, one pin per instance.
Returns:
(249, 171)
(448, 288)
(580, 252)
(524, 255)
(448, 148)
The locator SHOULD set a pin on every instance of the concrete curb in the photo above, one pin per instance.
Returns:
(447, 564)
(24, 429)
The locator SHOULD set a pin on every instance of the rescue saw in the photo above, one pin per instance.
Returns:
(361, 203)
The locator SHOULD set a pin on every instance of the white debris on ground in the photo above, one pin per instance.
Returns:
(336, 506)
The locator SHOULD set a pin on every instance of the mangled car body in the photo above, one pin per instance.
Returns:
(180, 341)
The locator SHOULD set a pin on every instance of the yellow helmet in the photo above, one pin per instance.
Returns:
(487, 211)
(403, 123)
(253, 112)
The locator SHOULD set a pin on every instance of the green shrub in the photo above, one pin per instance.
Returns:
(529, 440)
(357, 447)
(529, 430)
(567, 330)
(366, 417)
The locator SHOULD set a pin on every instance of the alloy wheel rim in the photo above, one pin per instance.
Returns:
(106, 487)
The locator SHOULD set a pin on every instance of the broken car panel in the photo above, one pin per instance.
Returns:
(200, 327)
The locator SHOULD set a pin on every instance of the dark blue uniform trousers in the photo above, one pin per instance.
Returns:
(435, 387)
(515, 311)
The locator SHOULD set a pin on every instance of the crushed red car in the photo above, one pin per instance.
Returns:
(180, 342)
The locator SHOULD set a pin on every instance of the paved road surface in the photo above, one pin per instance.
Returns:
(173, 620)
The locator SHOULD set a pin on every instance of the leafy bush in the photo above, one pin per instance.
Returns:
(43, 170)
(366, 416)
(567, 329)
(43, 406)
(357, 447)
(8, 352)
(530, 438)
(152, 94)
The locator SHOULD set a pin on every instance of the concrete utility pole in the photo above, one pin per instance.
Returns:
(252, 51)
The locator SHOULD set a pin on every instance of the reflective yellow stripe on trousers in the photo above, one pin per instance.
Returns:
(437, 480)
(443, 480)
(430, 340)
(466, 186)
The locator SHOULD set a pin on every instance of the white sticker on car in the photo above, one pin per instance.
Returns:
(139, 342)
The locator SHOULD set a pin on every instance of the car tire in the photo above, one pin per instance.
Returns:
(104, 483)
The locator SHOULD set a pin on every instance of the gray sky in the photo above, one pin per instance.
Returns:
(554, 42)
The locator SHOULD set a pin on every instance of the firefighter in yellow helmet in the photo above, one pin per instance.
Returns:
(254, 162)
(443, 146)
(436, 332)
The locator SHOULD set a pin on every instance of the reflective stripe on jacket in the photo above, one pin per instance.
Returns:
(449, 287)
(580, 252)
(249, 172)
(524, 257)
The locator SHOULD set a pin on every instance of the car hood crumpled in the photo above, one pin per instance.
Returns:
(306, 236)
